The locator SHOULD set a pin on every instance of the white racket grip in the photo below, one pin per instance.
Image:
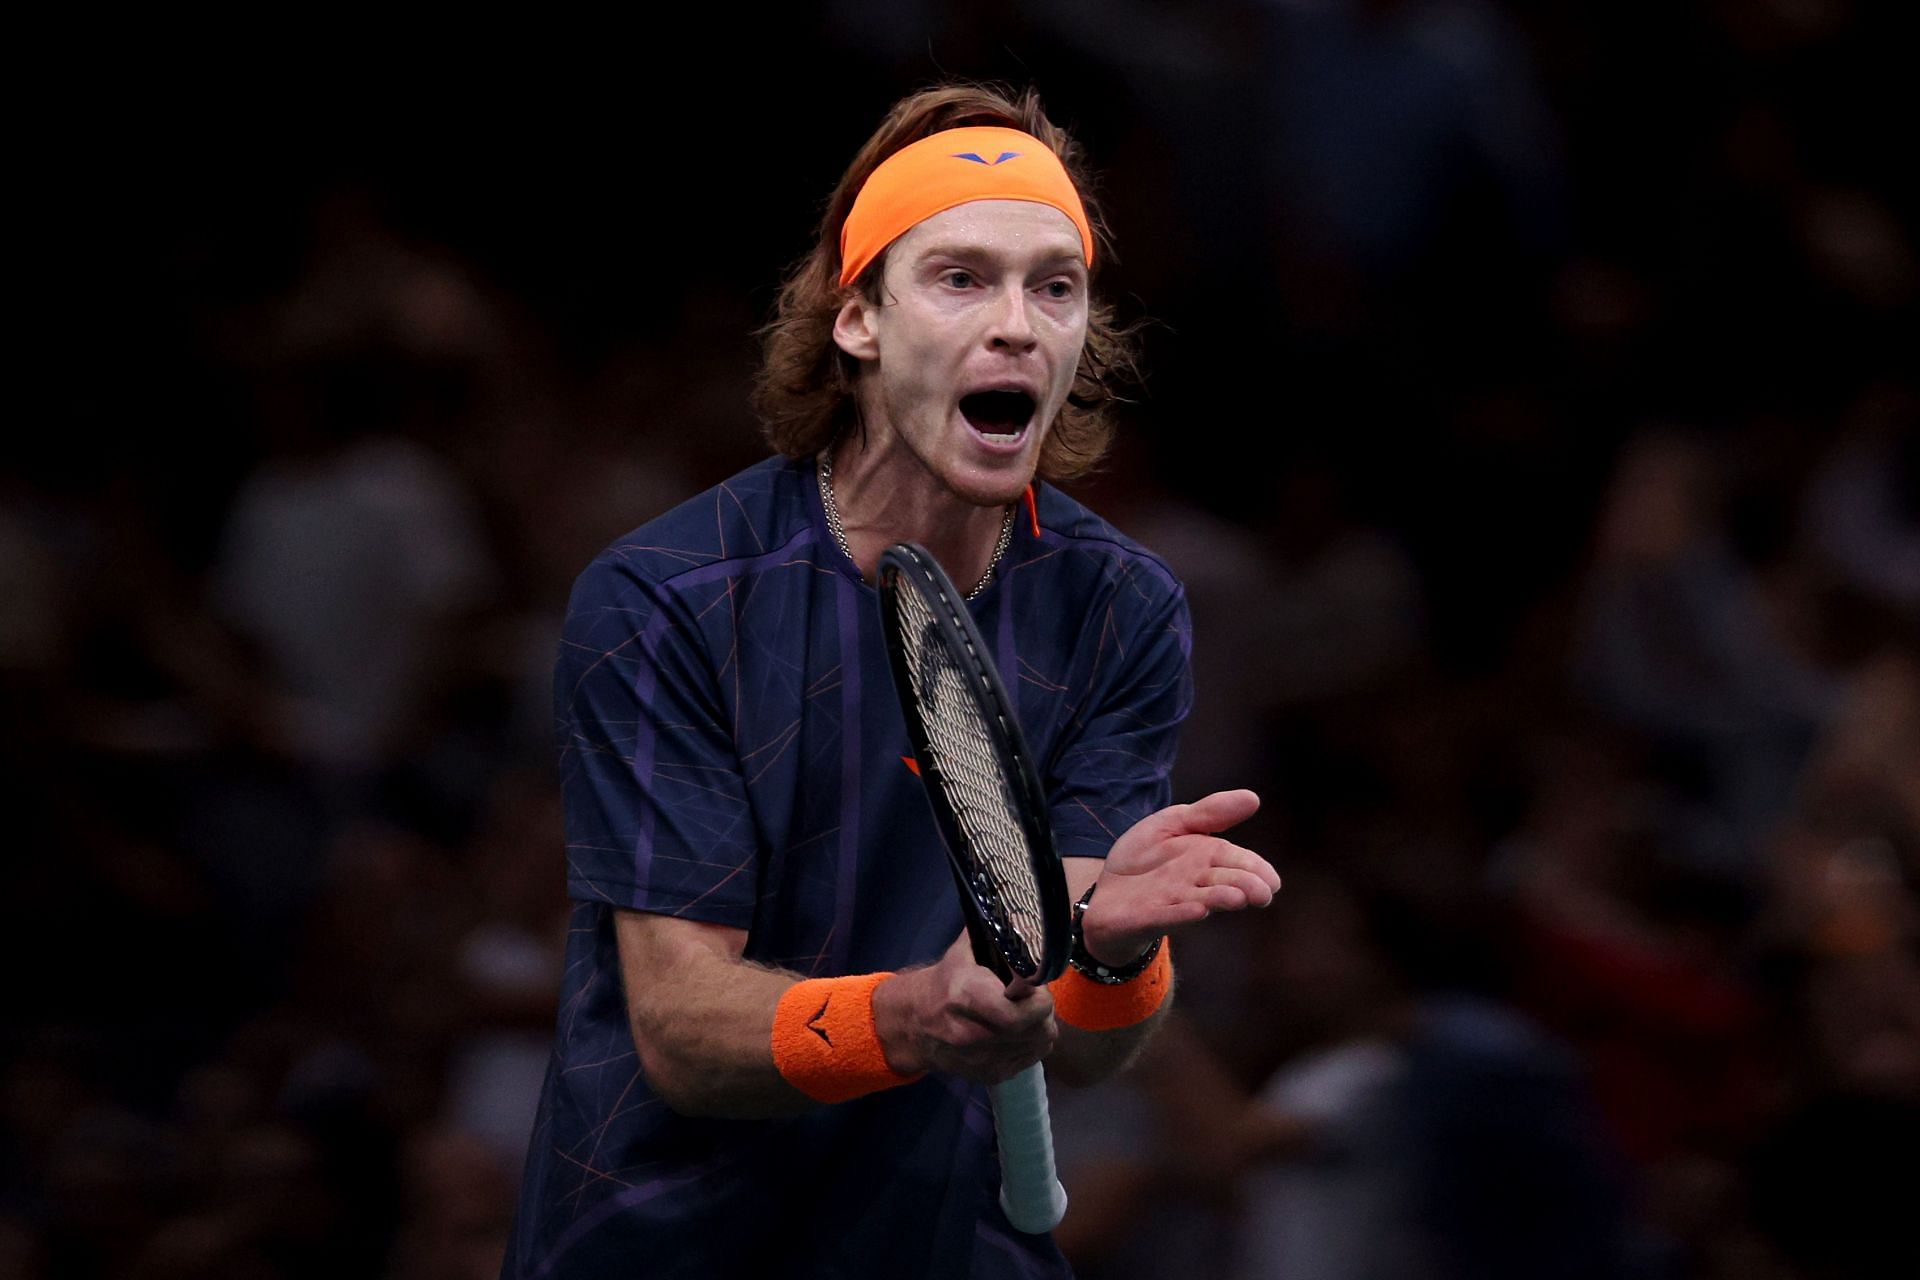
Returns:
(1030, 1193)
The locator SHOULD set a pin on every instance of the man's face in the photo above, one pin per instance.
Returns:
(970, 354)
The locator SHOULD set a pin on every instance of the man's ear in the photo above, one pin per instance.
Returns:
(853, 329)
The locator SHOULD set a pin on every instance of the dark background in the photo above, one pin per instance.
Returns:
(1531, 411)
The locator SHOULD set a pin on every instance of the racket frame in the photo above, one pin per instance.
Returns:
(962, 638)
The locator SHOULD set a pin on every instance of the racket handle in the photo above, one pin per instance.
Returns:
(1030, 1193)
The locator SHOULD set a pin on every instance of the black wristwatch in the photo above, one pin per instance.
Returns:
(1104, 973)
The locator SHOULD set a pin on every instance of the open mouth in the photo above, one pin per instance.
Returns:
(998, 413)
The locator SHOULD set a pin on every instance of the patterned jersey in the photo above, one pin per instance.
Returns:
(731, 751)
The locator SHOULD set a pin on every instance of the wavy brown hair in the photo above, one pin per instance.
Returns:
(805, 388)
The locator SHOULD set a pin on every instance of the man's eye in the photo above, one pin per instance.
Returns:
(959, 279)
(1059, 288)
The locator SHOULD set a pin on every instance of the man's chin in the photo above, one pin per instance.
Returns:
(995, 486)
(997, 492)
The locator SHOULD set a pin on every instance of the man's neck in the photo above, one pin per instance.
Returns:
(885, 495)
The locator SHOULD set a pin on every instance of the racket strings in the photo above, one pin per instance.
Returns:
(969, 773)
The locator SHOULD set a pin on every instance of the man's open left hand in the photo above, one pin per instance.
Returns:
(1171, 869)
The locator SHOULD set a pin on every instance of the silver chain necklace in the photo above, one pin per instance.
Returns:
(832, 509)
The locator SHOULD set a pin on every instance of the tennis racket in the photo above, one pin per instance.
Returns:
(992, 816)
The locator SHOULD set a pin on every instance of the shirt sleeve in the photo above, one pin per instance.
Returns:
(655, 804)
(1118, 767)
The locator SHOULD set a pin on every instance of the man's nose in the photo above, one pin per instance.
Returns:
(1012, 321)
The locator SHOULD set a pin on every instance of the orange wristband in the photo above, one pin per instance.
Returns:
(1081, 1002)
(824, 1040)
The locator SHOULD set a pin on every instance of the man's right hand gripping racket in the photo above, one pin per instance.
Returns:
(992, 815)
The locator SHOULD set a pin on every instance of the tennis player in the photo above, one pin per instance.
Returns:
(773, 1042)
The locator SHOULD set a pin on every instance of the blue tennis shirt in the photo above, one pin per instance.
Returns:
(731, 750)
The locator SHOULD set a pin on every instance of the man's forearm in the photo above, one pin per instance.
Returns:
(1086, 1057)
(702, 1021)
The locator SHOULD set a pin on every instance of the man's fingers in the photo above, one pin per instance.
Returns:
(1216, 889)
(1205, 860)
(1258, 890)
(1003, 1067)
(975, 1027)
(986, 1003)
(995, 1053)
(1222, 854)
(1226, 897)
(1219, 811)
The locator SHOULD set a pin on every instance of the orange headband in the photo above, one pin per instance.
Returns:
(948, 169)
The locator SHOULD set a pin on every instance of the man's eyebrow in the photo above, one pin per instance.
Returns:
(1061, 256)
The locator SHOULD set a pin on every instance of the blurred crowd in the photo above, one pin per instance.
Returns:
(1533, 416)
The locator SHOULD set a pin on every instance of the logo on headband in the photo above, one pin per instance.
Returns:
(977, 159)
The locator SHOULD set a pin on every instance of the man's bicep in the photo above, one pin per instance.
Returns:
(665, 961)
(651, 943)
